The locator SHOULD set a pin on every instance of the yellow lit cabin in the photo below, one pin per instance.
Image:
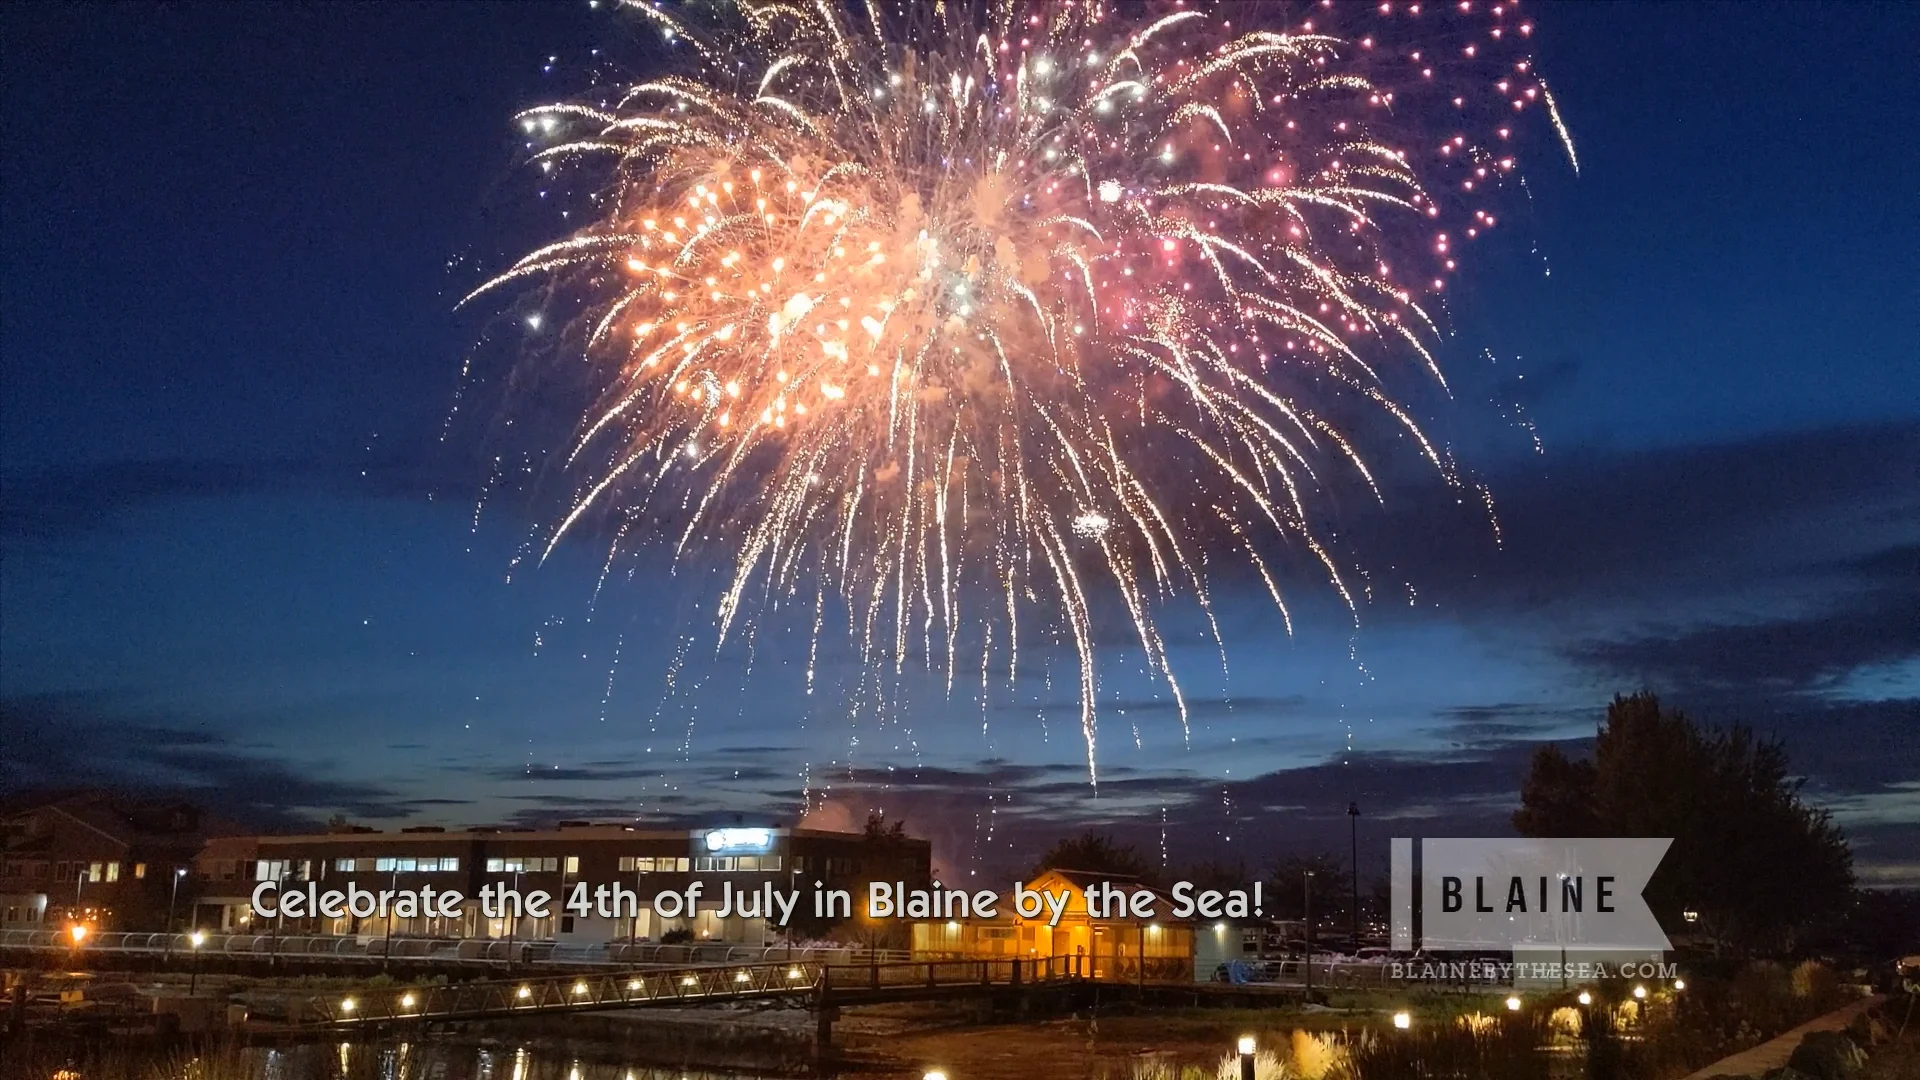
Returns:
(1115, 946)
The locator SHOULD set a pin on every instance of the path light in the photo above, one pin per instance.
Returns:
(406, 1001)
(524, 992)
(740, 977)
(1403, 1020)
(78, 932)
(1640, 992)
(688, 981)
(934, 1074)
(199, 938)
(579, 988)
(1513, 1003)
(793, 973)
(1245, 1047)
(346, 1005)
(1586, 998)
(634, 985)
(1679, 984)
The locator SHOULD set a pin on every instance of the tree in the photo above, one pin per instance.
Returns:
(1756, 865)
(1332, 891)
(884, 854)
(1095, 853)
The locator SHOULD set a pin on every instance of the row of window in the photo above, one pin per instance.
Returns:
(736, 862)
(633, 864)
(443, 865)
(532, 864)
(69, 871)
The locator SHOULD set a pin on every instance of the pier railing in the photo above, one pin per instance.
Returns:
(451, 951)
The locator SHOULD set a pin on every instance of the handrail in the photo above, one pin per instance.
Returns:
(437, 949)
(704, 983)
(558, 992)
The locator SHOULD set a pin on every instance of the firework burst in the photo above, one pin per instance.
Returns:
(967, 317)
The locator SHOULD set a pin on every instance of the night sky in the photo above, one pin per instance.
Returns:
(252, 549)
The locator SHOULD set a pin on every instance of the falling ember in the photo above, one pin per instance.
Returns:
(1037, 302)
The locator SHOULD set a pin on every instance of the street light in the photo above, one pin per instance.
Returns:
(1353, 837)
(173, 894)
(1246, 1057)
(78, 932)
(1306, 881)
(196, 939)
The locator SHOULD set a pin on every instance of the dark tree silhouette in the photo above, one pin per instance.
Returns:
(1095, 853)
(1332, 892)
(1758, 866)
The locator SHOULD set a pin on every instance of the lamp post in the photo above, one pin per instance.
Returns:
(196, 939)
(386, 956)
(1307, 886)
(513, 921)
(1246, 1057)
(1353, 836)
(173, 895)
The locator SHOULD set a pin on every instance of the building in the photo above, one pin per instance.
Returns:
(105, 861)
(1115, 945)
(574, 859)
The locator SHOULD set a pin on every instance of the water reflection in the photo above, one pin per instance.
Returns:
(436, 1061)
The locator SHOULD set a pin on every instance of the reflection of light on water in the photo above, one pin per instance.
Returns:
(415, 1059)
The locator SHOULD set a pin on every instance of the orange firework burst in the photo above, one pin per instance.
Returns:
(970, 316)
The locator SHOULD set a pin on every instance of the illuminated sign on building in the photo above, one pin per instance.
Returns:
(740, 840)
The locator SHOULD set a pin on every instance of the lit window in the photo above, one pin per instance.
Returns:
(703, 863)
(139, 870)
(113, 871)
(449, 865)
(747, 862)
(496, 866)
(345, 866)
(96, 871)
(573, 864)
(769, 862)
(679, 864)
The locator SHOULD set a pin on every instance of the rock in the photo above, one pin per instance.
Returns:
(1869, 1029)
(1828, 1055)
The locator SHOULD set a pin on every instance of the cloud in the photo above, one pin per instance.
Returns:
(1797, 654)
(1685, 521)
(57, 742)
(58, 504)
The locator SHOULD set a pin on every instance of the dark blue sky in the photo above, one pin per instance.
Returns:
(239, 556)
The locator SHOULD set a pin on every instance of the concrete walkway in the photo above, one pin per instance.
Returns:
(1774, 1053)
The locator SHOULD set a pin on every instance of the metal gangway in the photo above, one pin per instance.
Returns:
(452, 952)
(827, 984)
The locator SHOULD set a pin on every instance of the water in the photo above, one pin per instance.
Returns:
(393, 1060)
(453, 1061)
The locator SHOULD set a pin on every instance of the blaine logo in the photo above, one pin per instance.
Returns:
(1500, 893)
